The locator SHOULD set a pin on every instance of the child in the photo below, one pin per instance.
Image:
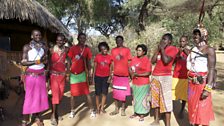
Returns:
(101, 73)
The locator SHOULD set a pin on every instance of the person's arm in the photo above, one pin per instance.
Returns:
(165, 58)
(154, 57)
(94, 72)
(111, 72)
(211, 72)
(146, 74)
(25, 61)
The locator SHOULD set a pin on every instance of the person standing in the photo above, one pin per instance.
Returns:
(161, 84)
(80, 57)
(101, 73)
(179, 80)
(121, 56)
(58, 78)
(140, 70)
(201, 65)
(35, 57)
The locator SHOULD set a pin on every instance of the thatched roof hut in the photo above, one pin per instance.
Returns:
(19, 17)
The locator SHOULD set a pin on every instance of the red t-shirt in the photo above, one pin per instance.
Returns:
(164, 70)
(120, 57)
(58, 62)
(103, 65)
(141, 65)
(77, 53)
(180, 70)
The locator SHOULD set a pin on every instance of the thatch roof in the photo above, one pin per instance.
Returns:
(30, 10)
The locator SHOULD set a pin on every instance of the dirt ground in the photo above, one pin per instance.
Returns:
(13, 109)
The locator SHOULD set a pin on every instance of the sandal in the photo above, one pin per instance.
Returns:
(133, 116)
(123, 112)
(115, 112)
(103, 111)
(72, 114)
(141, 119)
(24, 123)
(39, 122)
(54, 122)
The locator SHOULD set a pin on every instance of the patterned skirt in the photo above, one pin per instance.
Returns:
(141, 98)
(161, 92)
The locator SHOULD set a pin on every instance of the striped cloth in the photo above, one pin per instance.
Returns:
(78, 84)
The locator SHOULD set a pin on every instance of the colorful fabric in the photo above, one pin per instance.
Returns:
(180, 69)
(141, 98)
(78, 84)
(103, 65)
(121, 56)
(199, 111)
(121, 88)
(161, 93)
(58, 62)
(141, 65)
(57, 83)
(162, 69)
(77, 55)
(179, 89)
(36, 99)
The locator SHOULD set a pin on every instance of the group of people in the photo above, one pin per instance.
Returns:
(191, 81)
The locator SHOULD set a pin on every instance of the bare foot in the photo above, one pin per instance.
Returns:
(154, 123)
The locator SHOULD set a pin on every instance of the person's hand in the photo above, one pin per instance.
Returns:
(204, 94)
(109, 80)
(162, 45)
(134, 74)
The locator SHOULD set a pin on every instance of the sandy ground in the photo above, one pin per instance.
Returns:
(13, 109)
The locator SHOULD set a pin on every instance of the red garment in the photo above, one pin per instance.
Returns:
(141, 65)
(121, 56)
(77, 53)
(57, 82)
(199, 111)
(180, 70)
(58, 62)
(161, 69)
(103, 65)
(79, 89)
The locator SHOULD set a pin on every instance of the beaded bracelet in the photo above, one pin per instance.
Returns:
(208, 88)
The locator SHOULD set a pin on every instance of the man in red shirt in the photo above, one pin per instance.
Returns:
(179, 81)
(80, 56)
(161, 85)
(121, 55)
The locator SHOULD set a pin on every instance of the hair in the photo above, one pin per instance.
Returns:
(103, 44)
(119, 36)
(81, 33)
(169, 35)
(197, 31)
(144, 48)
(62, 36)
(34, 30)
(184, 36)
